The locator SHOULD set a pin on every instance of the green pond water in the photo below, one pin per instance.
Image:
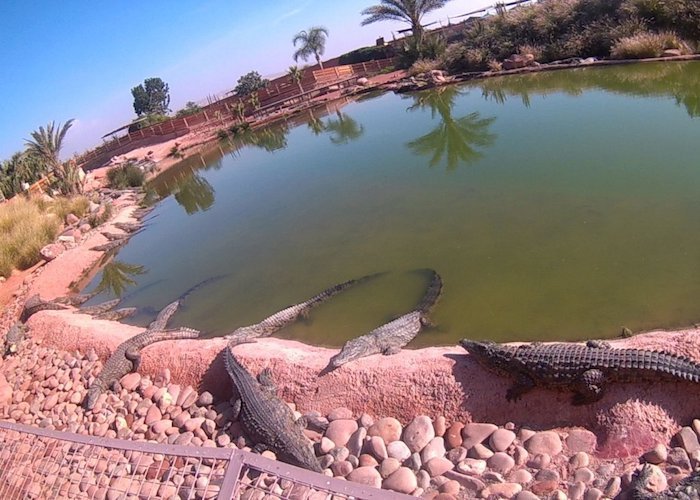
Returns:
(560, 205)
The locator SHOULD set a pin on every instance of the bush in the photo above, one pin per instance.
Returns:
(124, 176)
(423, 66)
(100, 217)
(24, 229)
(147, 122)
(222, 135)
(366, 54)
(645, 45)
(77, 205)
(191, 108)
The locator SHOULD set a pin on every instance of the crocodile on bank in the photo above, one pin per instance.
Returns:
(14, 337)
(35, 303)
(289, 315)
(100, 308)
(391, 337)
(583, 369)
(686, 489)
(127, 357)
(265, 418)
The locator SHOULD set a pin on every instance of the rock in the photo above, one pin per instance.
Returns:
(388, 428)
(356, 441)
(453, 436)
(520, 476)
(687, 439)
(377, 447)
(526, 495)
(456, 455)
(51, 251)
(342, 468)
(440, 425)
(470, 484)
(388, 467)
(520, 455)
(130, 381)
(450, 487)
(418, 433)
(544, 442)
(340, 414)
(472, 467)
(72, 219)
(576, 491)
(366, 421)
(672, 53)
(479, 451)
(581, 440)
(679, 457)
(547, 475)
(367, 461)
(403, 481)
(435, 448)
(476, 433)
(584, 475)
(366, 475)
(501, 462)
(593, 494)
(501, 490)
(398, 450)
(657, 480)
(580, 459)
(612, 488)
(205, 399)
(501, 439)
(363, 81)
(340, 430)
(50, 402)
(539, 461)
(438, 466)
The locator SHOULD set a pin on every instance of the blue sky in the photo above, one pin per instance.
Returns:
(78, 59)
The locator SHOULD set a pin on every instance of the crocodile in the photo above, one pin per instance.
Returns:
(14, 337)
(582, 368)
(686, 489)
(127, 227)
(111, 245)
(117, 314)
(77, 299)
(127, 358)
(35, 303)
(266, 419)
(389, 338)
(100, 308)
(113, 236)
(289, 315)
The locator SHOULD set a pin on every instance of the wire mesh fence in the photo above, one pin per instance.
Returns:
(45, 464)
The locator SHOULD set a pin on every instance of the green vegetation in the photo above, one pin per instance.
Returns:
(311, 43)
(408, 11)
(124, 176)
(27, 225)
(21, 168)
(175, 152)
(45, 145)
(191, 108)
(152, 97)
(559, 29)
(365, 54)
(249, 83)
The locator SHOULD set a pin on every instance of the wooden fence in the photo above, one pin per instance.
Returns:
(277, 91)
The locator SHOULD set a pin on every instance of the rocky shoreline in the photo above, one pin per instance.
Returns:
(416, 424)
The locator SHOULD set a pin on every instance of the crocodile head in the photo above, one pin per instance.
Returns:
(93, 394)
(490, 354)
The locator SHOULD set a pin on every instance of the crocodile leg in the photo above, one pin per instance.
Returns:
(394, 349)
(133, 355)
(523, 384)
(589, 388)
(236, 407)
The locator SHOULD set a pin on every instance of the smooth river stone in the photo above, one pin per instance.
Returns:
(402, 480)
(340, 430)
(547, 442)
(388, 428)
(476, 433)
(366, 475)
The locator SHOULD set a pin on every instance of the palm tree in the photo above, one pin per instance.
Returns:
(46, 144)
(410, 11)
(296, 75)
(313, 43)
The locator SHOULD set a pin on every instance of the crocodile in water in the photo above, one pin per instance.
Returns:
(686, 489)
(127, 357)
(287, 316)
(391, 337)
(584, 369)
(266, 419)
(117, 314)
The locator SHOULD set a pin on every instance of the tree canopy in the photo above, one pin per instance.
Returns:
(409, 11)
(151, 97)
(249, 83)
(311, 43)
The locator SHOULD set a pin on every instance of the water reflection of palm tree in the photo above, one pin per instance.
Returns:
(194, 194)
(344, 129)
(118, 275)
(456, 139)
(315, 125)
(270, 138)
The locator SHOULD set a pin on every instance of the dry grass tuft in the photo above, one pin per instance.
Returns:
(644, 45)
(423, 66)
(24, 230)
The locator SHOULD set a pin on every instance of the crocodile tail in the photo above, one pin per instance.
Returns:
(334, 290)
(432, 294)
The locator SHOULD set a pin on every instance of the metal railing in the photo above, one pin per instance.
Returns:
(45, 464)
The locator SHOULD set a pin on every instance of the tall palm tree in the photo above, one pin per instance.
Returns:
(410, 11)
(47, 143)
(313, 43)
(296, 75)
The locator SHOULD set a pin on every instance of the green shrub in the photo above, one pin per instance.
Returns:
(365, 54)
(147, 121)
(77, 205)
(127, 175)
(191, 108)
(102, 216)
(386, 70)
(222, 134)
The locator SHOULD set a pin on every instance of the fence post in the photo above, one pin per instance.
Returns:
(206, 116)
(379, 66)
